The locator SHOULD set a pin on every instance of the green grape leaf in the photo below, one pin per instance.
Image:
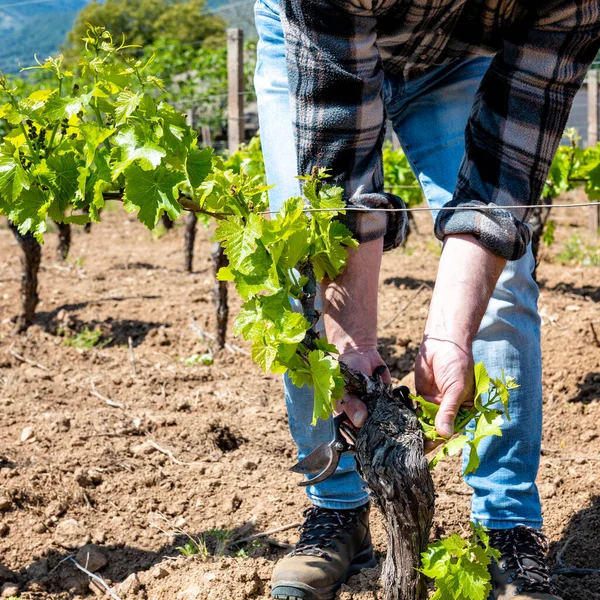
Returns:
(93, 135)
(263, 354)
(13, 178)
(198, 165)
(291, 328)
(238, 238)
(12, 114)
(37, 100)
(62, 178)
(428, 410)
(58, 108)
(130, 147)
(482, 381)
(473, 580)
(323, 369)
(126, 105)
(29, 214)
(459, 567)
(450, 448)
(488, 424)
(435, 561)
(153, 193)
(323, 344)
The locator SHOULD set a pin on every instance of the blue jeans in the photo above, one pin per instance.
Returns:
(429, 115)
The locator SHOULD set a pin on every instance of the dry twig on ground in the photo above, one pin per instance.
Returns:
(33, 363)
(106, 400)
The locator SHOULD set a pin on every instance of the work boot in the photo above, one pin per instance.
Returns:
(333, 545)
(522, 571)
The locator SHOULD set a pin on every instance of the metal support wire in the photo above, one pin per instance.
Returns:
(429, 209)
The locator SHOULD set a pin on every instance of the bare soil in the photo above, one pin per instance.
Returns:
(175, 450)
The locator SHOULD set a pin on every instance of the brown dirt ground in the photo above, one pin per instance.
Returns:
(88, 475)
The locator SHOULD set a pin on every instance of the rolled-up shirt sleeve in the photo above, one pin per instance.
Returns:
(517, 121)
(336, 79)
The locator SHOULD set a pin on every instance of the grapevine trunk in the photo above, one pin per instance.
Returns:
(391, 460)
(189, 241)
(30, 264)
(219, 260)
(64, 241)
(167, 222)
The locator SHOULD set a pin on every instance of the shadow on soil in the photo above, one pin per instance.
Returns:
(54, 573)
(590, 291)
(579, 548)
(588, 390)
(118, 331)
(397, 357)
(409, 283)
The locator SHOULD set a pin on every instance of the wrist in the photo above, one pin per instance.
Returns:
(347, 346)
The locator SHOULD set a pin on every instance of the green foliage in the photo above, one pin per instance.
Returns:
(194, 359)
(249, 159)
(142, 22)
(399, 178)
(86, 339)
(485, 417)
(578, 251)
(263, 256)
(221, 538)
(574, 167)
(196, 76)
(460, 567)
(71, 146)
(548, 234)
(195, 546)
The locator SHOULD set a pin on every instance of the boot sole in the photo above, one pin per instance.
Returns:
(295, 590)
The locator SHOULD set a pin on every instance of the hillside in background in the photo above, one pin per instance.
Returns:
(33, 28)
(30, 27)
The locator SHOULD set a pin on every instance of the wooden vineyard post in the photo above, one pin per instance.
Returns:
(592, 84)
(235, 88)
(190, 117)
(206, 136)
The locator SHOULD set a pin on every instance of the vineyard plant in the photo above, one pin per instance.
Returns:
(71, 147)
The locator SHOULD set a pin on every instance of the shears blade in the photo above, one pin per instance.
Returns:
(315, 461)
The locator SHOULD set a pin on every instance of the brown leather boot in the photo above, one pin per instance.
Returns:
(333, 545)
(522, 571)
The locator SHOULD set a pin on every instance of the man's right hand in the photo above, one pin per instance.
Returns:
(365, 360)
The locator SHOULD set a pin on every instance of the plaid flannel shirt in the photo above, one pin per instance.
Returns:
(338, 52)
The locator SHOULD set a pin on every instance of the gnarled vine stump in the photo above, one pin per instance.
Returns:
(391, 459)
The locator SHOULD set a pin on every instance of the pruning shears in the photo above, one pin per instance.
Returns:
(324, 459)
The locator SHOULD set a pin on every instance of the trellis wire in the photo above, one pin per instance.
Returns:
(430, 209)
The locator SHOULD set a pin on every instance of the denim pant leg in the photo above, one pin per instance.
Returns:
(345, 488)
(429, 116)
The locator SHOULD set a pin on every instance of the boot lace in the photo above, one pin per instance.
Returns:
(321, 528)
(523, 550)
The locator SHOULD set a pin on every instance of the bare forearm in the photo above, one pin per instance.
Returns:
(466, 278)
(350, 302)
